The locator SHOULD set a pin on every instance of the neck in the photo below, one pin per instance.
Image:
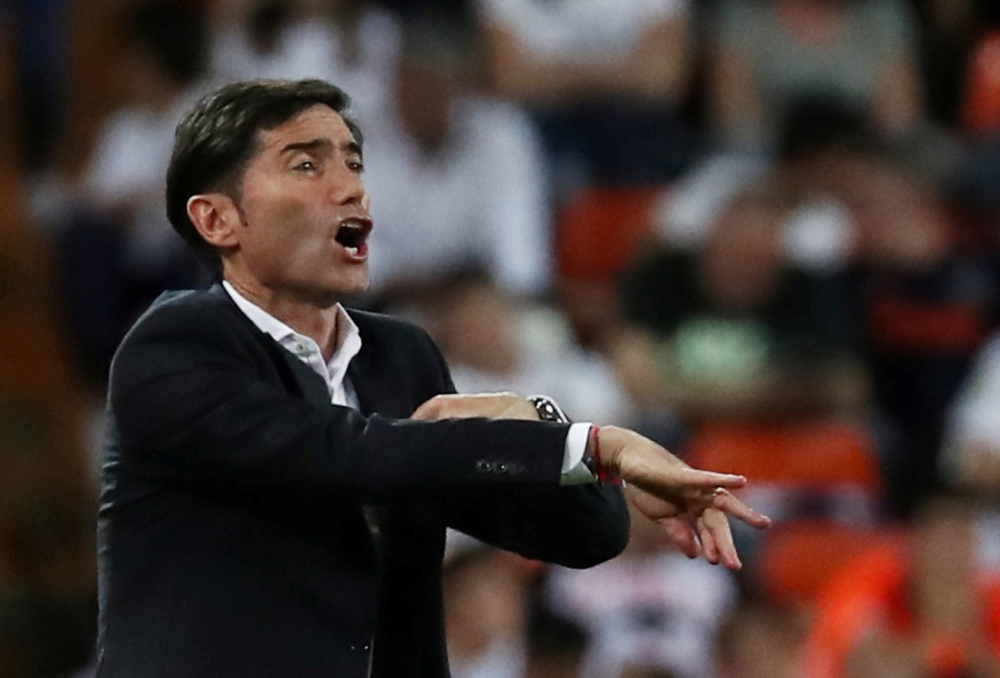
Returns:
(314, 318)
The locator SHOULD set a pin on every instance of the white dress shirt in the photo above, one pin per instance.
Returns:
(347, 345)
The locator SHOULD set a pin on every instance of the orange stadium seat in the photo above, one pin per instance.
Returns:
(796, 560)
(812, 453)
(828, 467)
(599, 229)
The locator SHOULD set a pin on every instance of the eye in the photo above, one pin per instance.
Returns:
(356, 166)
(306, 166)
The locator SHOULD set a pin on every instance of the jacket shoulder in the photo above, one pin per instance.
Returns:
(181, 331)
(184, 312)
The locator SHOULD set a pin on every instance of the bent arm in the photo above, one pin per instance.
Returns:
(574, 525)
(191, 413)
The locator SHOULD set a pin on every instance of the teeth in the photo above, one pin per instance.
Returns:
(352, 251)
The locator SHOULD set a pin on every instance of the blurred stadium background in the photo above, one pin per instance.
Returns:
(762, 232)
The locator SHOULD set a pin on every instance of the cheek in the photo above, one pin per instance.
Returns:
(284, 226)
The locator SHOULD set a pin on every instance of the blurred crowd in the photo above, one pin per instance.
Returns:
(765, 233)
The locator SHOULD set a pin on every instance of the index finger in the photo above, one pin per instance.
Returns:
(732, 505)
(693, 478)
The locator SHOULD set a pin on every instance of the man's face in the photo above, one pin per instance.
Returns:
(305, 211)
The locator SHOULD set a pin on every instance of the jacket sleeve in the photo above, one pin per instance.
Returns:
(575, 526)
(192, 409)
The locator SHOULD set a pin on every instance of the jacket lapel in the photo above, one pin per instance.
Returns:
(297, 377)
(311, 385)
(377, 381)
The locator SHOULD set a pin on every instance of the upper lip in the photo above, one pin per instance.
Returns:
(353, 230)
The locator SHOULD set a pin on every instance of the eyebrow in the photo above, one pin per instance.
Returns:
(351, 147)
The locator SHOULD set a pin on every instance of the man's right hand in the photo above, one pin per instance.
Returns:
(692, 505)
(490, 405)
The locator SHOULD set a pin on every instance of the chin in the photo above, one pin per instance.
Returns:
(349, 288)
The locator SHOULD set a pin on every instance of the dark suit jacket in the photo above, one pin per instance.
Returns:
(248, 527)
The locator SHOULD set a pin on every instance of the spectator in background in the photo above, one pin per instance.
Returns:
(39, 32)
(495, 344)
(760, 640)
(650, 609)
(975, 35)
(486, 609)
(119, 251)
(557, 646)
(348, 42)
(773, 52)
(646, 671)
(880, 239)
(971, 451)
(455, 180)
(930, 300)
(494, 627)
(951, 33)
(734, 332)
(921, 610)
(604, 78)
(415, 10)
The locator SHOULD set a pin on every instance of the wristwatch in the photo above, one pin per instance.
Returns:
(548, 409)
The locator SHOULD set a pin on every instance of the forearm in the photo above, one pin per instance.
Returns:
(215, 427)
(577, 526)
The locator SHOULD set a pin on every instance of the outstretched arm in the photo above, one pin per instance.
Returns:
(693, 506)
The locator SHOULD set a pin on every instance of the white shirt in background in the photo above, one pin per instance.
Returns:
(580, 29)
(484, 199)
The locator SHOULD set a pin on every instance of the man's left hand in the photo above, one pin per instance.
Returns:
(489, 405)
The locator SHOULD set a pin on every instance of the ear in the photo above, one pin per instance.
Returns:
(216, 217)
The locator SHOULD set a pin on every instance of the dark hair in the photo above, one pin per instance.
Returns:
(218, 137)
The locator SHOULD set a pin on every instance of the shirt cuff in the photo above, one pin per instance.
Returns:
(574, 471)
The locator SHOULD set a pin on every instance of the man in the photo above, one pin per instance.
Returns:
(275, 492)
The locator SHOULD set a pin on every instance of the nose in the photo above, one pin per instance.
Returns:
(349, 188)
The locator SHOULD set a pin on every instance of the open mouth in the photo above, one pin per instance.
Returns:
(353, 235)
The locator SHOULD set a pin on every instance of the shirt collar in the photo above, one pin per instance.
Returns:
(348, 340)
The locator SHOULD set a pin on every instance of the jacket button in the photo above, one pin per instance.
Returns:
(514, 467)
(361, 647)
(483, 466)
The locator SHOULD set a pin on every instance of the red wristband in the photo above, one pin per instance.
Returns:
(598, 466)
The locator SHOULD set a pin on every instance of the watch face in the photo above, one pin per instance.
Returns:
(547, 409)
